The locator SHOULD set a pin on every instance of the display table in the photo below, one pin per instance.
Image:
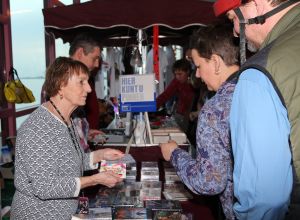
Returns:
(202, 207)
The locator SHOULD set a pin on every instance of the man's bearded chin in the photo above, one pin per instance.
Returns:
(251, 47)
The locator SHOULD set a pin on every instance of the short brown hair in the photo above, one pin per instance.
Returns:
(216, 39)
(59, 72)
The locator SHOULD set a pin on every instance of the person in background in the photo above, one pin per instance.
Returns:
(87, 50)
(181, 88)
(265, 110)
(215, 56)
(106, 113)
(49, 160)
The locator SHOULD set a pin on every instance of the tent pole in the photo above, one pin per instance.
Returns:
(146, 117)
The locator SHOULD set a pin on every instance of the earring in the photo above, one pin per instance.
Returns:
(60, 96)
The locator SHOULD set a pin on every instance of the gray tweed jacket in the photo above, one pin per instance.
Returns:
(46, 168)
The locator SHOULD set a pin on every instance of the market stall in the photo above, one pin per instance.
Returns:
(117, 23)
(114, 19)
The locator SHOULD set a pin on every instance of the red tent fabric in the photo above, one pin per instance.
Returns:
(112, 19)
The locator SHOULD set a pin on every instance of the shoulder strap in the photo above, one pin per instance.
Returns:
(14, 71)
(262, 18)
(267, 74)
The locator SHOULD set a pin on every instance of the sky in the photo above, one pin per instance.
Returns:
(28, 45)
(28, 37)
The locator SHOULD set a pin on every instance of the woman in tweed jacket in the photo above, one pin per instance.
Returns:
(49, 160)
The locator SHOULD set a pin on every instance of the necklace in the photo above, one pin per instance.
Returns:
(72, 135)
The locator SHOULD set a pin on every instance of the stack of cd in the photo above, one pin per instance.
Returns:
(174, 189)
(151, 190)
(170, 173)
(149, 171)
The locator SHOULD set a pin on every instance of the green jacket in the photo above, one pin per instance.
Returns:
(280, 56)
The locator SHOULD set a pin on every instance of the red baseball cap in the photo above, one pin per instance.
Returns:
(222, 6)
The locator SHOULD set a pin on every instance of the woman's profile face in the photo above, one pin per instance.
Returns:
(76, 90)
(205, 69)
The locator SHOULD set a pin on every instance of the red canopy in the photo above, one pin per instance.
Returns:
(115, 18)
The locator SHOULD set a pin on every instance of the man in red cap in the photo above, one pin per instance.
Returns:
(222, 6)
(265, 112)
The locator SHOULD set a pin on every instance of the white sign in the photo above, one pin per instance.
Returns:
(137, 93)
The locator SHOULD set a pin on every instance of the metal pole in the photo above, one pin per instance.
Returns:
(141, 71)
(140, 47)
